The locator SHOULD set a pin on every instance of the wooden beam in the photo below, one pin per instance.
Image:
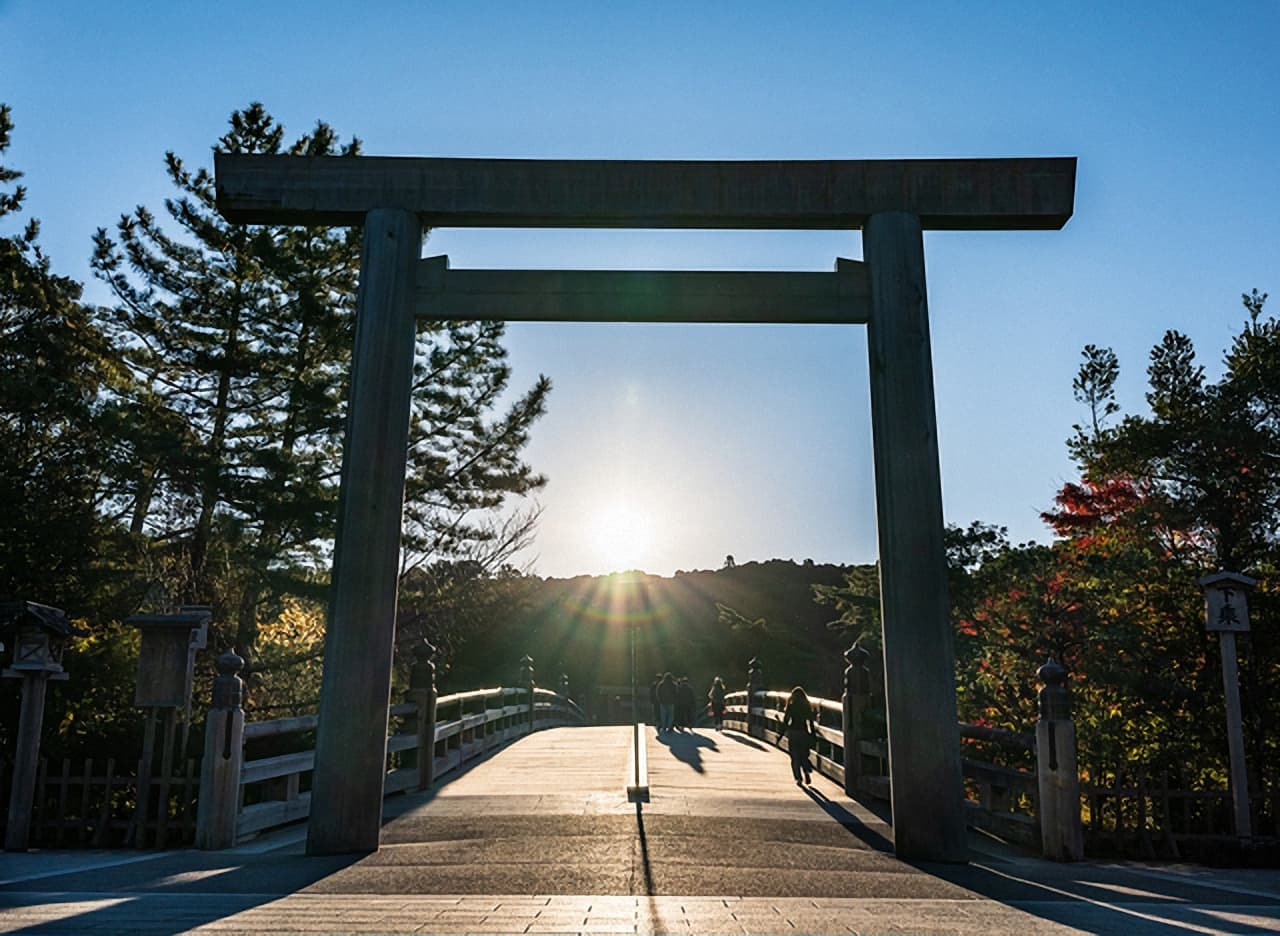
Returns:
(642, 296)
(946, 194)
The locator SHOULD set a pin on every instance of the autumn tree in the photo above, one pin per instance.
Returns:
(1192, 486)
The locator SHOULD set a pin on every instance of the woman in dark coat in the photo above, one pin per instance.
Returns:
(797, 725)
(716, 698)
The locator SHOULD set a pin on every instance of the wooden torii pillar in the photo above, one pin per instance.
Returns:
(891, 201)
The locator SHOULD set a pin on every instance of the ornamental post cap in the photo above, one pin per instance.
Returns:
(1052, 673)
(857, 655)
(424, 651)
(229, 664)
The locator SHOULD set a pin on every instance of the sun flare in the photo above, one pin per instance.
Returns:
(622, 536)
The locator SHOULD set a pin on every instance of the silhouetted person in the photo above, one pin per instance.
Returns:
(716, 698)
(797, 725)
(653, 699)
(685, 703)
(666, 703)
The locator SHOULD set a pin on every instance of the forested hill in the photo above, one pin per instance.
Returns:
(699, 624)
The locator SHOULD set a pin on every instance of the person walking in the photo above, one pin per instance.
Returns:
(797, 725)
(716, 698)
(666, 703)
(686, 701)
(653, 699)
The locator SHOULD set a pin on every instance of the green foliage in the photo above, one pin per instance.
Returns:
(54, 364)
(184, 444)
(701, 624)
(1191, 487)
(55, 546)
(238, 341)
(1095, 386)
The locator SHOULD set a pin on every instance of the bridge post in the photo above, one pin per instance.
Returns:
(422, 691)
(1061, 831)
(755, 683)
(355, 694)
(526, 680)
(857, 688)
(219, 803)
(926, 786)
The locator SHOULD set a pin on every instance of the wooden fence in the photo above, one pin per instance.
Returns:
(94, 804)
(1132, 816)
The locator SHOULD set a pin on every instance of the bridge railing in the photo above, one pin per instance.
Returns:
(1022, 787)
(241, 796)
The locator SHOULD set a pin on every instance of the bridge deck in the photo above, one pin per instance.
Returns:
(540, 838)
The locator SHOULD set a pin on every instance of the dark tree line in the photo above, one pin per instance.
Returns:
(182, 444)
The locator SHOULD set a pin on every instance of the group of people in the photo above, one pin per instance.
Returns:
(675, 704)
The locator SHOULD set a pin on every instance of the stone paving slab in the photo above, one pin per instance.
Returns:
(540, 839)
(641, 916)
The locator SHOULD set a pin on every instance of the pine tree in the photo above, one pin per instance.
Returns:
(53, 365)
(239, 339)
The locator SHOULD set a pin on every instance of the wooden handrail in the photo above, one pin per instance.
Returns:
(485, 719)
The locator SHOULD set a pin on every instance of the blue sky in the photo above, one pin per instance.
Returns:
(670, 447)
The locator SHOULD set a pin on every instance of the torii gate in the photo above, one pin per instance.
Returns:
(891, 201)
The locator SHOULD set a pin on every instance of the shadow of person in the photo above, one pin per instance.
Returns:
(686, 747)
(851, 823)
(743, 739)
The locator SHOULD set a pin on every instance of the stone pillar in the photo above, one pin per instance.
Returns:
(422, 692)
(26, 760)
(755, 683)
(351, 739)
(526, 680)
(857, 690)
(1061, 831)
(219, 805)
(919, 661)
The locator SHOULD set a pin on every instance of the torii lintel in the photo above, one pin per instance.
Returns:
(945, 194)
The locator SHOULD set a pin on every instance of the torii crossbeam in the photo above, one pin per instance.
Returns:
(891, 201)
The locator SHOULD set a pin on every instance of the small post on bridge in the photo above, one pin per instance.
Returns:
(1061, 832)
(755, 683)
(526, 680)
(422, 692)
(857, 689)
(219, 804)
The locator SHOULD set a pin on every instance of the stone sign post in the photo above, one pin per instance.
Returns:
(41, 636)
(1227, 613)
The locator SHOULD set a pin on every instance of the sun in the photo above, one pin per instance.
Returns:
(622, 536)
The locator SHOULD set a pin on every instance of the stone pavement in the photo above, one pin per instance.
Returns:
(540, 839)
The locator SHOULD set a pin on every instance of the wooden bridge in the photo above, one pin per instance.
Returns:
(538, 836)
